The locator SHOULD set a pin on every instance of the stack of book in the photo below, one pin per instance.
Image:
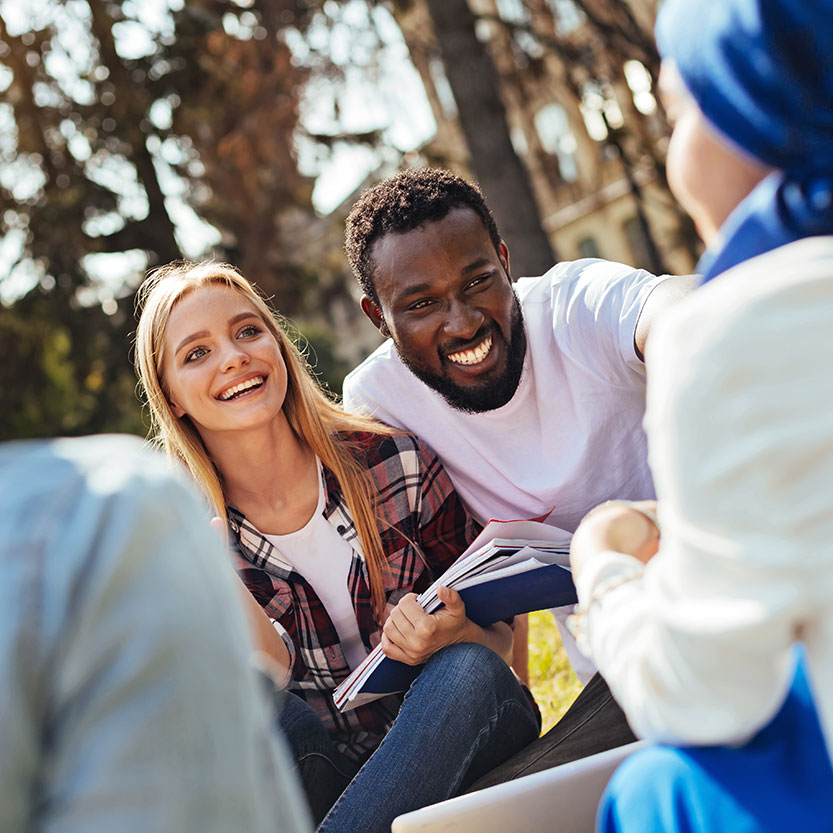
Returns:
(512, 567)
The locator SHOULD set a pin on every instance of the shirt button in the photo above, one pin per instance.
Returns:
(341, 529)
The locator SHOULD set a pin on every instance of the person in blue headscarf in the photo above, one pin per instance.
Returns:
(716, 636)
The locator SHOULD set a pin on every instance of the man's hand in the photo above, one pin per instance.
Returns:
(617, 526)
(412, 636)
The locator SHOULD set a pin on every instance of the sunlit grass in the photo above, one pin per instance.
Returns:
(552, 680)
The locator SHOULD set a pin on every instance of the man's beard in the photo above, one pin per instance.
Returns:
(488, 394)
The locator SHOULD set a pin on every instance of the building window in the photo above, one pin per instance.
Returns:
(513, 10)
(638, 244)
(639, 80)
(588, 247)
(568, 16)
(553, 130)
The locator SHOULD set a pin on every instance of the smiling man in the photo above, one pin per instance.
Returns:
(531, 393)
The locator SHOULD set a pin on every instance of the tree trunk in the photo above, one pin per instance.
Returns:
(501, 174)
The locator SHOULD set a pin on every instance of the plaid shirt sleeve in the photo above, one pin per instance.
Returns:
(444, 527)
(264, 590)
(416, 499)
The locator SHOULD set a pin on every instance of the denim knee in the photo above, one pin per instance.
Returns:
(469, 673)
(302, 727)
(470, 666)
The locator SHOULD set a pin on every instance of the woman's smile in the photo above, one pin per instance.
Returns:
(239, 389)
(219, 352)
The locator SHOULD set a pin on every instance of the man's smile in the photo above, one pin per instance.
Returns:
(473, 356)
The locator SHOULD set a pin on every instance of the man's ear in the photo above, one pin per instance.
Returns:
(372, 311)
(503, 253)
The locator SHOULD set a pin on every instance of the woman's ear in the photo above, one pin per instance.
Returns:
(177, 411)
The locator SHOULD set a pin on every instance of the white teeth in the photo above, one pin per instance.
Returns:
(249, 383)
(472, 356)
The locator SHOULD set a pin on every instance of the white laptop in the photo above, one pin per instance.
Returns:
(558, 800)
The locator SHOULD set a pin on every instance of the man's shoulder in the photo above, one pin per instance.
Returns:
(382, 357)
(375, 379)
(571, 277)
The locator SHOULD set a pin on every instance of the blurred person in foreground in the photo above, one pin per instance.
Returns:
(720, 645)
(129, 702)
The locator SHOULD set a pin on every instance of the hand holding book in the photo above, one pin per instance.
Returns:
(412, 636)
(525, 569)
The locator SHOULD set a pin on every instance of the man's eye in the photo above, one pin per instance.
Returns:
(478, 282)
(196, 353)
(420, 305)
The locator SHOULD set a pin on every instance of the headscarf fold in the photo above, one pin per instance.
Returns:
(761, 72)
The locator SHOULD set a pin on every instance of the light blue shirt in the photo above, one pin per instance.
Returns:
(128, 701)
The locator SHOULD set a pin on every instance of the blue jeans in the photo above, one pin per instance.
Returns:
(465, 714)
(323, 770)
(780, 780)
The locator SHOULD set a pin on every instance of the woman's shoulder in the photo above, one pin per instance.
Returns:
(399, 446)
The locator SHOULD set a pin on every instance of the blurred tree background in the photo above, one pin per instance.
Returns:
(137, 132)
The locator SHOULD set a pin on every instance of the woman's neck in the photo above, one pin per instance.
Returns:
(270, 475)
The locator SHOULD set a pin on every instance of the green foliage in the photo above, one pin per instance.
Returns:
(551, 678)
(319, 346)
(67, 376)
(103, 147)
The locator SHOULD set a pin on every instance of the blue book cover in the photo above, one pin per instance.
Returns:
(487, 603)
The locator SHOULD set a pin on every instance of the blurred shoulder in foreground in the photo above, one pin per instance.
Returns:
(129, 701)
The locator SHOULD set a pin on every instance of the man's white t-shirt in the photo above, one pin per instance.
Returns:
(570, 438)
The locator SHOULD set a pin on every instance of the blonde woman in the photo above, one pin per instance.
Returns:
(337, 523)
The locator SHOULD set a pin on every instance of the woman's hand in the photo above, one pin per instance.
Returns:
(412, 636)
(620, 526)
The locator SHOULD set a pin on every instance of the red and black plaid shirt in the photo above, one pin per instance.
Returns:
(423, 527)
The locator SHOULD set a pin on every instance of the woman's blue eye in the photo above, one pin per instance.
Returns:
(249, 330)
(196, 353)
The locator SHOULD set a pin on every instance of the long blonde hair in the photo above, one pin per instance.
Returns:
(314, 417)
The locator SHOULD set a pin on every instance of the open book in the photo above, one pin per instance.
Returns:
(512, 567)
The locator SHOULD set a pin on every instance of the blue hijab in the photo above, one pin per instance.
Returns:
(761, 72)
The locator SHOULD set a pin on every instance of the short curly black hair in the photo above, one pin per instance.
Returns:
(402, 203)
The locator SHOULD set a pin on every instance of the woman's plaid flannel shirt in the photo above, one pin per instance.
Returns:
(424, 528)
